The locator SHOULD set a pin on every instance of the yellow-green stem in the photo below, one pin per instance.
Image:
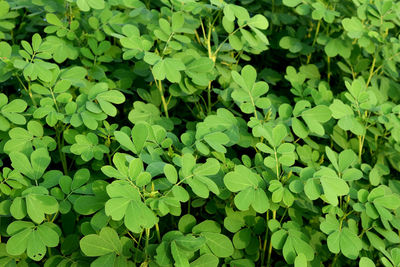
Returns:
(158, 233)
(371, 72)
(164, 102)
(315, 39)
(360, 146)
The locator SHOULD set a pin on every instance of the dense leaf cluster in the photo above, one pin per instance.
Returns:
(199, 133)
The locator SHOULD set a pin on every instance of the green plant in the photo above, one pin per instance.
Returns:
(199, 133)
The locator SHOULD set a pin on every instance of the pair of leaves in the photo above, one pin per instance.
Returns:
(24, 140)
(345, 115)
(250, 187)
(339, 239)
(218, 131)
(327, 182)
(139, 136)
(133, 172)
(249, 94)
(108, 247)
(100, 99)
(25, 236)
(280, 153)
(313, 117)
(126, 203)
(343, 164)
(294, 245)
(88, 147)
(34, 167)
(36, 202)
(199, 177)
(10, 112)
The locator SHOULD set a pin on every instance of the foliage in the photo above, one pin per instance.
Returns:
(199, 133)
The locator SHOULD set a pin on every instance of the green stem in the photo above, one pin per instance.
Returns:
(28, 90)
(360, 146)
(328, 59)
(314, 41)
(264, 247)
(226, 39)
(371, 72)
(277, 164)
(147, 243)
(158, 233)
(62, 155)
(164, 102)
(334, 260)
(270, 243)
(209, 97)
(138, 244)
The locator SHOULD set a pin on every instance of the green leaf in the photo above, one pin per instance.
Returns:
(244, 199)
(178, 20)
(53, 19)
(333, 185)
(39, 203)
(179, 258)
(190, 243)
(295, 245)
(216, 140)
(21, 163)
(353, 26)
(211, 167)
(40, 160)
(171, 173)
(242, 238)
(240, 179)
(318, 113)
(139, 136)
(350, 243)
(261, 201)
(278, 134)
(366, 262)
(300, 261)
(291, 3)
(36, 41)
(169, 68)
(202, 65)
(5, 50)
(125, 140)
(33, 240)
(340, 110)
(299, 128)
(186, 223)
(219, 244)
(259, 22)
(205, 260)
(125, 203)
(98, 245)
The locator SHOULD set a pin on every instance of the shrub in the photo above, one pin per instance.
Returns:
(199, 133)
